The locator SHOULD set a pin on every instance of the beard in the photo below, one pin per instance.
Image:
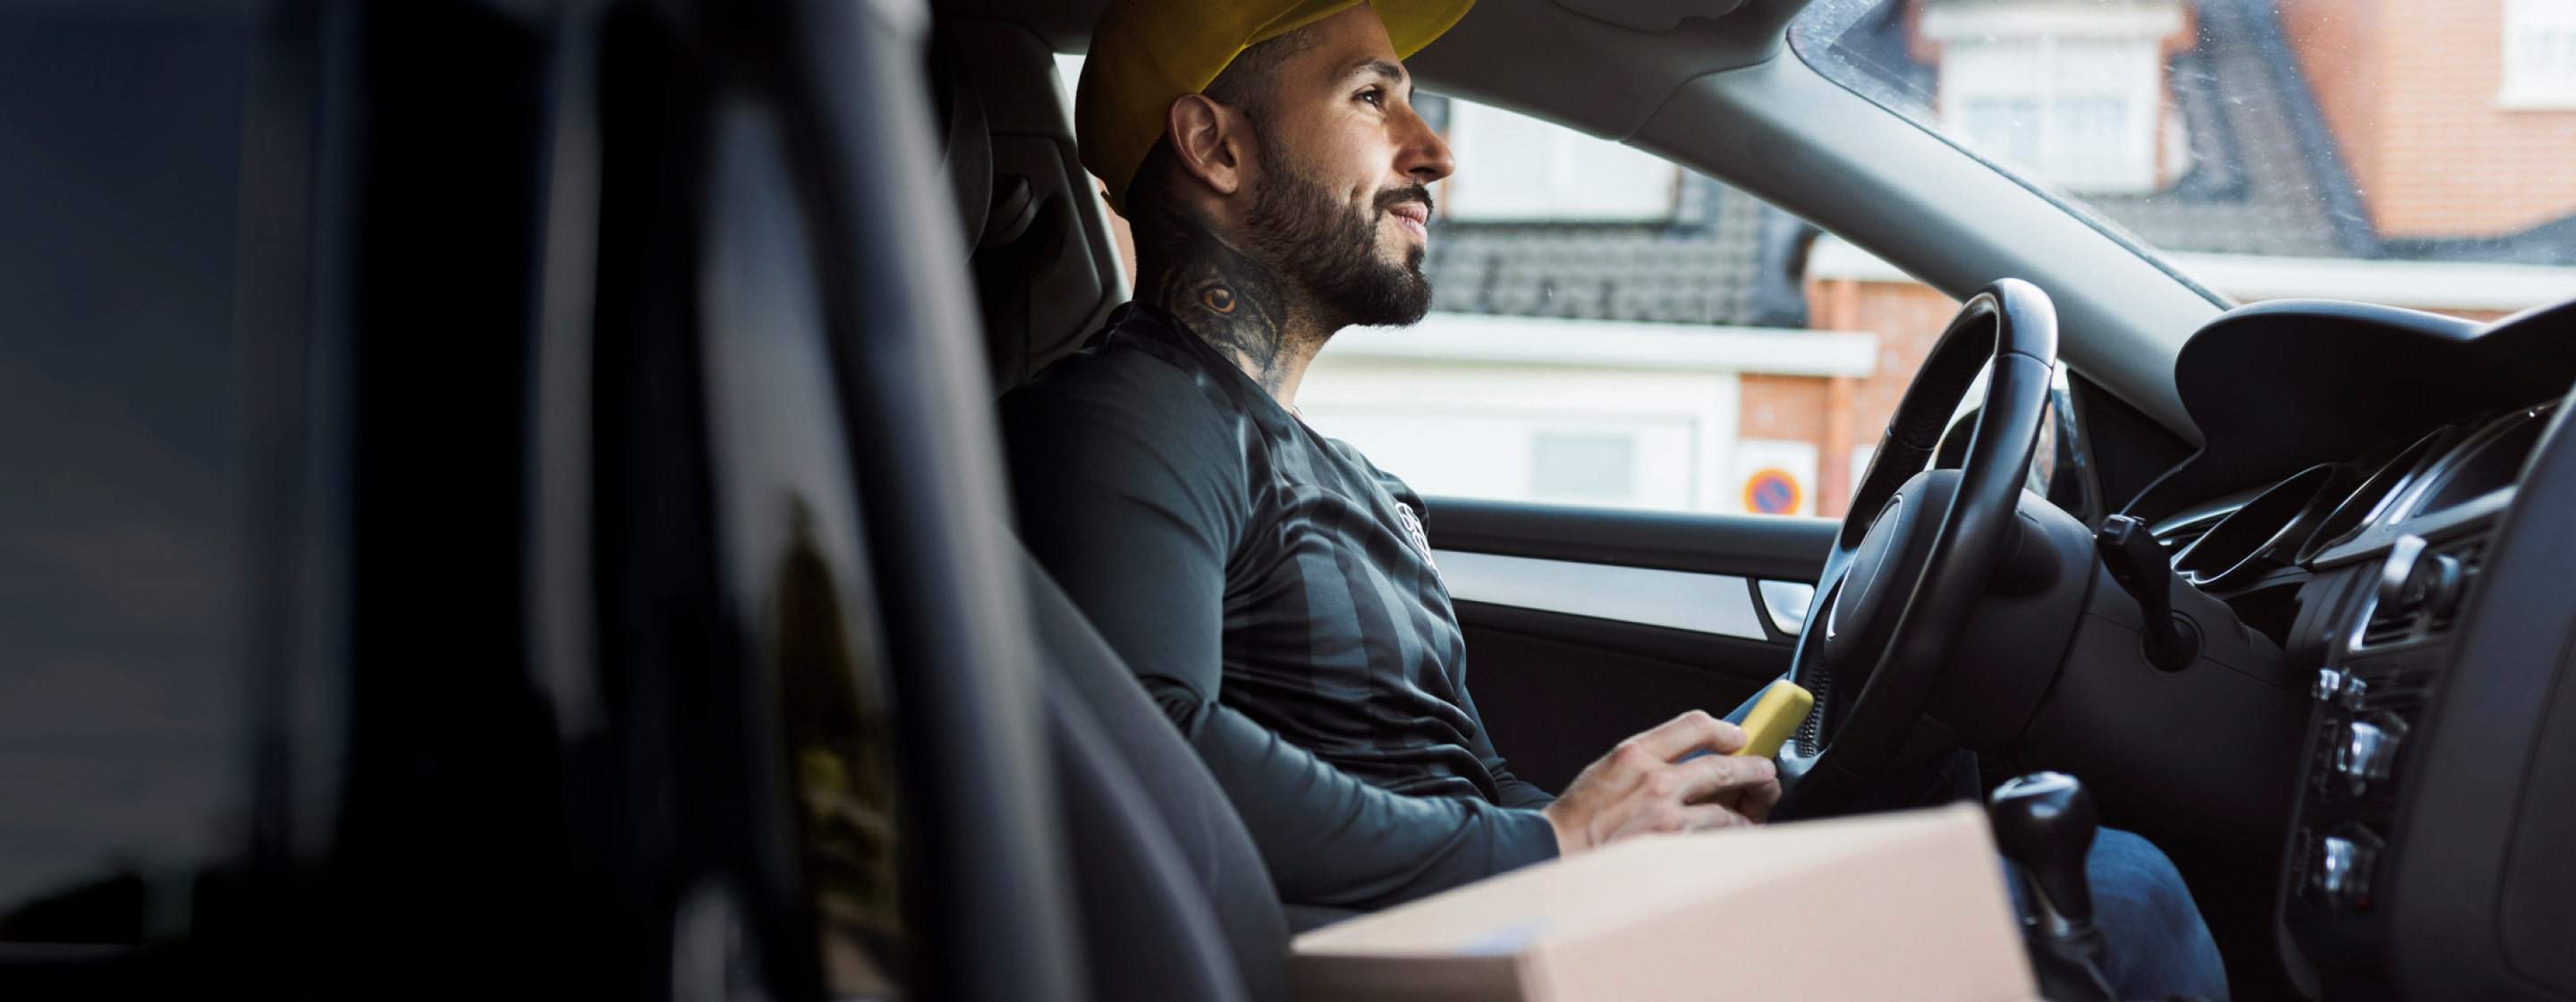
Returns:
(1320, 244)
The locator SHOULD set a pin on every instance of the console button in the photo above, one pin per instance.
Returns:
(2368, 752)
(2329, 682)
(2344, 862)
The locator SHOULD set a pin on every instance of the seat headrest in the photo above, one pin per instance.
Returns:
(1045, 266)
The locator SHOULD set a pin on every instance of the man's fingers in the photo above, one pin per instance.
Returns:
(1690, 732)
(1668, 817)
(1702, 778)
(1639, 787)
(1713, 791)
(1759, 799)
(1703, 817)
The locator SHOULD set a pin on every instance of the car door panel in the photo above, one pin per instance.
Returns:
(1586, 625)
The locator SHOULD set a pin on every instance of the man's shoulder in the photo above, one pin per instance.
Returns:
(1395, 486)
(1118, 380)
(1126, 403)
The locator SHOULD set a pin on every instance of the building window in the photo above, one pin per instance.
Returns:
(1529, 169)
(2539, 54)
(2006, 127)
(2075, 97)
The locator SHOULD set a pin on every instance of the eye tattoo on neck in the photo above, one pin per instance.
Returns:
(1236, 304)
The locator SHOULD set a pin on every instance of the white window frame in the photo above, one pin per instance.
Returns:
(1973, 72)
(2538, 69)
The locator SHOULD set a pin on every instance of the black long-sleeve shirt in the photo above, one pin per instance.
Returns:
(1275, 594)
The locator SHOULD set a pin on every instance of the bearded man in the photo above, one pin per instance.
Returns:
(1272, 590)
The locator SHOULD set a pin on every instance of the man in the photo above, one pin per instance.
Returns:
(1272, 589)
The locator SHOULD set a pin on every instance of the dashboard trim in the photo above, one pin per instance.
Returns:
(2461, 451)
(2251, 564)
(2437, 526)
(2472, 449)
(2405, 468)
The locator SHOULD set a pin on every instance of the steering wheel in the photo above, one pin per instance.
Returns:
(1915, 552)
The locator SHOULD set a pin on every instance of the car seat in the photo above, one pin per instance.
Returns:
(1172, 896)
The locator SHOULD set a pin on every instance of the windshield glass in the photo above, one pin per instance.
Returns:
(2405, 153)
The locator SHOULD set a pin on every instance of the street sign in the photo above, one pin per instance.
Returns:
(1772, 491)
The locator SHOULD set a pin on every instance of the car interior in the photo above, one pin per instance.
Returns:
(625, 599)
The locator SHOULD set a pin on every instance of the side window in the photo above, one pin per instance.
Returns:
(124, 579)
(1610, 328)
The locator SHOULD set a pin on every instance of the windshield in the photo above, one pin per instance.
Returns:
(2408, 154)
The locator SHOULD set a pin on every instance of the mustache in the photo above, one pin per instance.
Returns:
(1415, 192)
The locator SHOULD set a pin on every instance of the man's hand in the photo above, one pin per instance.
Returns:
(1638, 788)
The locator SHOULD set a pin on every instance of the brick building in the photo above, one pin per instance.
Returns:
(2455, 118)
(2408, 152)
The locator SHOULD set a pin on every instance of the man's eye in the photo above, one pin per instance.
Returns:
(1374, 96)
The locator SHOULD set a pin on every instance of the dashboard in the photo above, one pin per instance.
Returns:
(2280, 533)
(2399, 543)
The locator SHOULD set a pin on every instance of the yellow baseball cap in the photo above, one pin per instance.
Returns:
(1147, 53)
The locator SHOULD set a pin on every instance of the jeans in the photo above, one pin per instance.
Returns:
(2156, 945)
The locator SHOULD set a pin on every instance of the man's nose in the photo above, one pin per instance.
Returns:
(1424, 156)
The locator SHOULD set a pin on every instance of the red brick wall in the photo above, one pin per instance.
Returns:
(2337, 45)
(1785, 407)
(1907, 318)
(2409, 88)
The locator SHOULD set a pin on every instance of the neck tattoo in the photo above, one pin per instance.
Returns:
(1235, 303)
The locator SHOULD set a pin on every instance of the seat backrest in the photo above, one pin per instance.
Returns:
(1173, 897)
(1175, 902)
(1047, 270)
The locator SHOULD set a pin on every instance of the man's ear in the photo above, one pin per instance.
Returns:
(1209, 141)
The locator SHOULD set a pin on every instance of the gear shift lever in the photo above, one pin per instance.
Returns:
(2044, 822)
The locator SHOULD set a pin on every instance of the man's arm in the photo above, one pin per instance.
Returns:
(1509, 790)
(1133, 508)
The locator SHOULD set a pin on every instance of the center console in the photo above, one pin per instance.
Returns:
(2430, 851)
(2390, 640)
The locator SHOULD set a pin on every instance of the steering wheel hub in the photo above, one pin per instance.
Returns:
(1860, 588)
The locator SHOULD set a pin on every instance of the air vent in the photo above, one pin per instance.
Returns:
(2421, 591)
(2388, 626)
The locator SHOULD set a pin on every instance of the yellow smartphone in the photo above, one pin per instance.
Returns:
(1773, 716)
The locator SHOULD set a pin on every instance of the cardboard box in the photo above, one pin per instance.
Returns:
(1893, 906)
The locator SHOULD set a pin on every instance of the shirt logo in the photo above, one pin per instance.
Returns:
(1413, 531)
